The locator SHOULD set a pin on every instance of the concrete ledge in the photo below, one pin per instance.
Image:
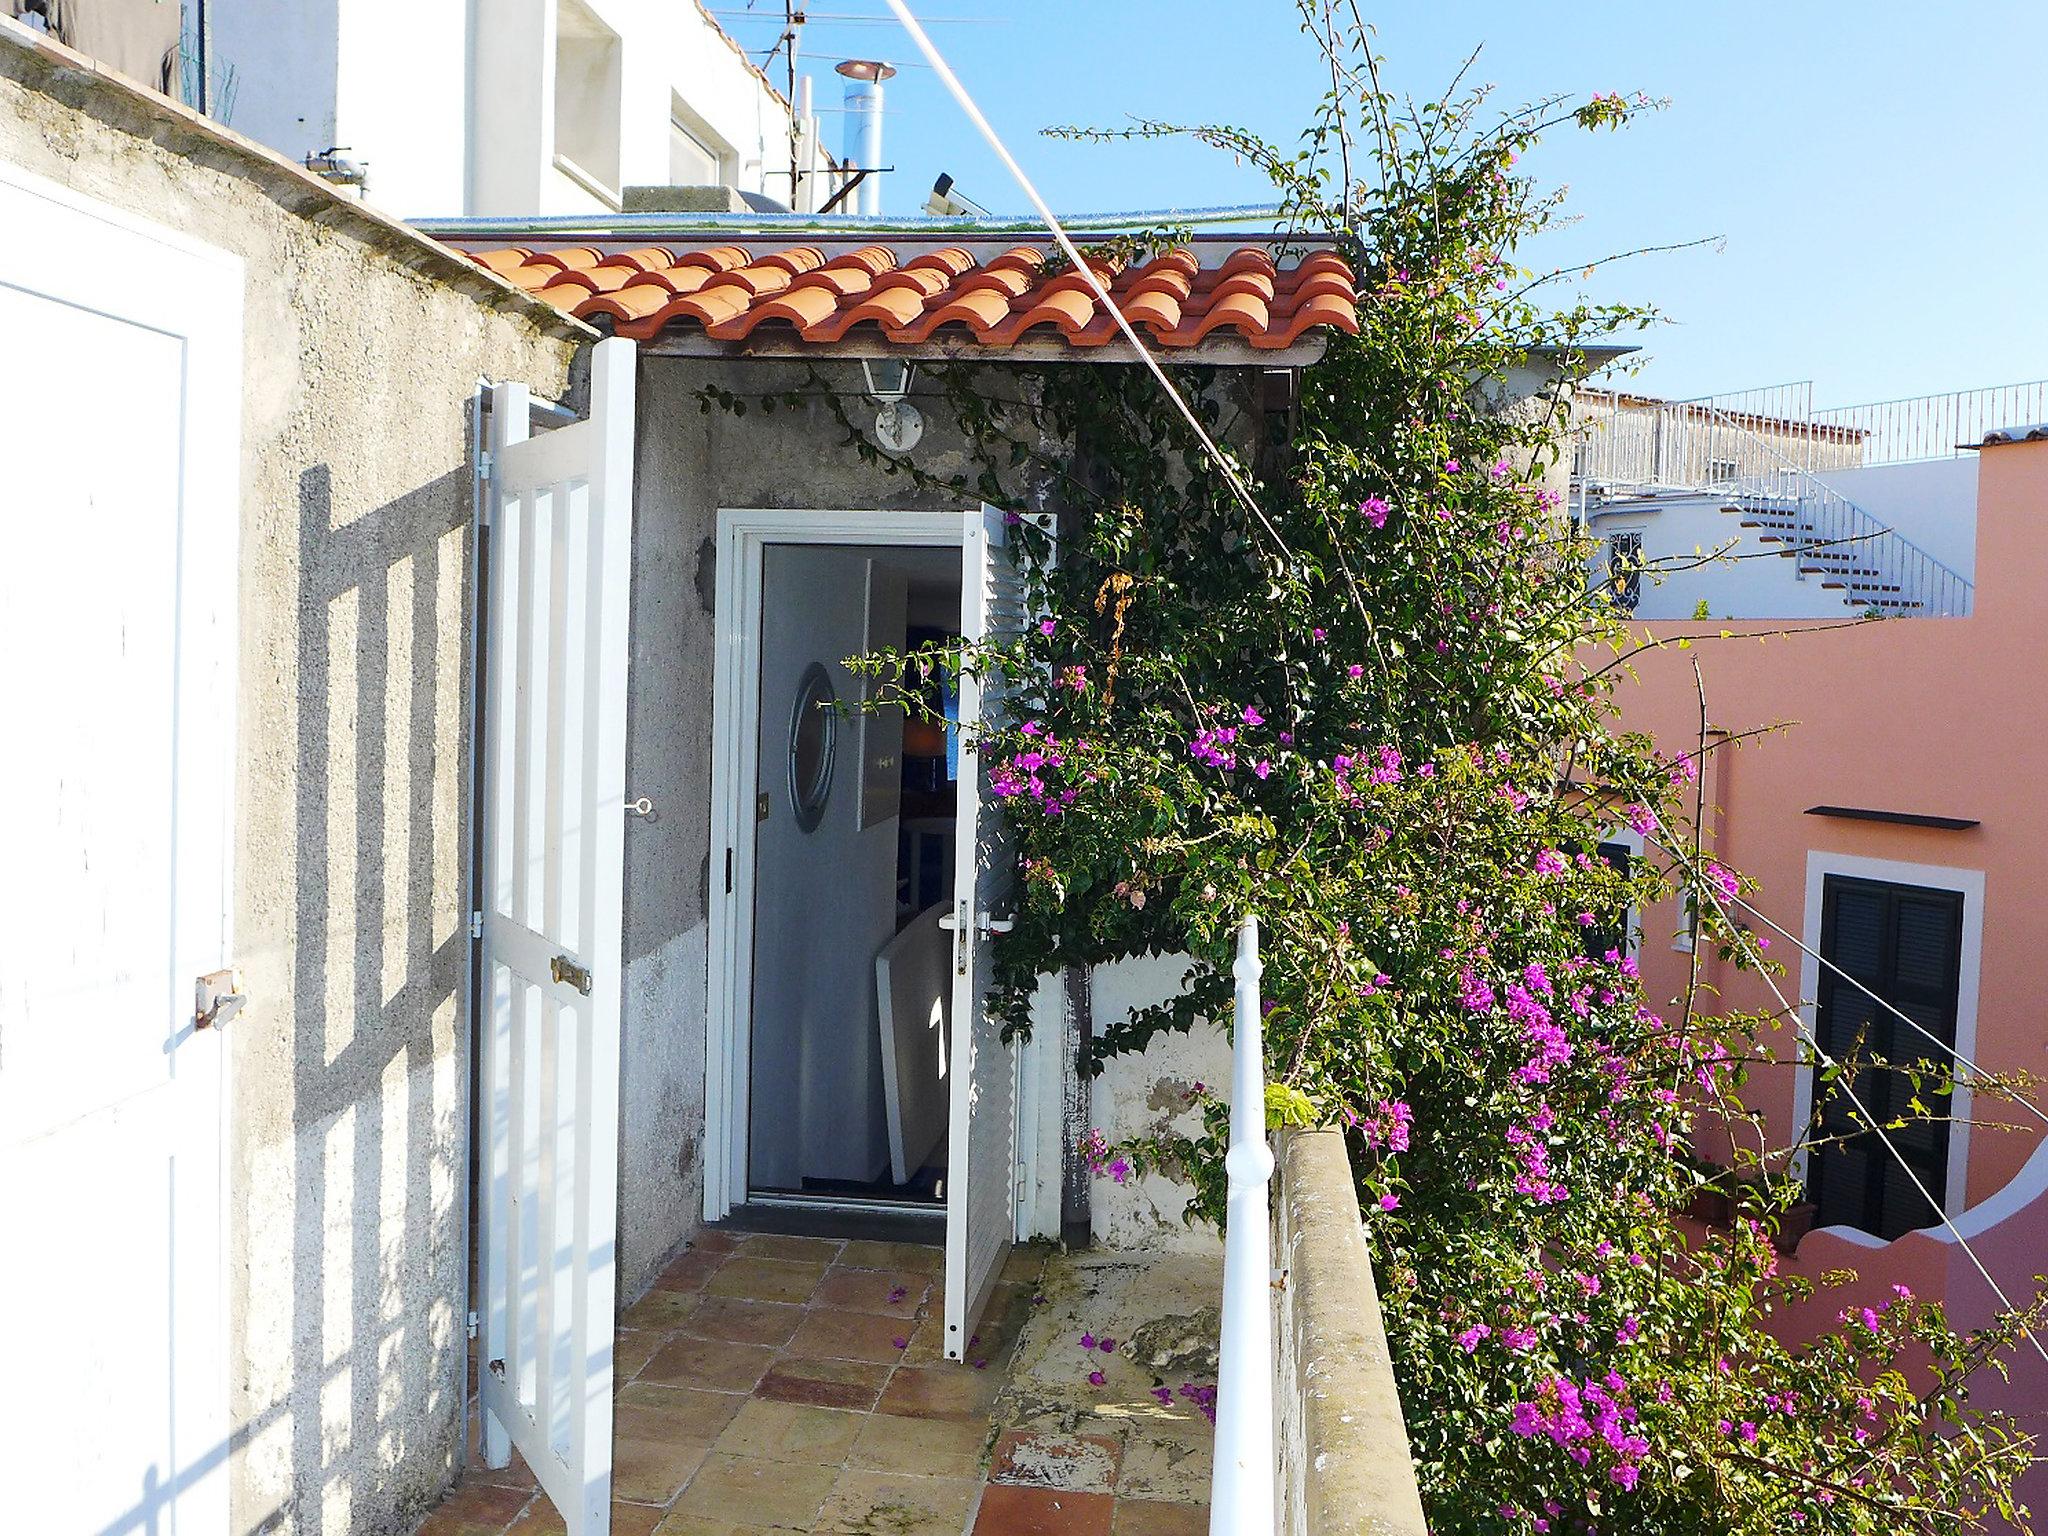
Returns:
(1344, 1462)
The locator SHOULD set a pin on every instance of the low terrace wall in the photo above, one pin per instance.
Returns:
(1344, 1463)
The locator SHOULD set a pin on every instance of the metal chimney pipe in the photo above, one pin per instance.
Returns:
(864, 79)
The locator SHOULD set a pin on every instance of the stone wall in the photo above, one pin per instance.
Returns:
(1344, 1466)
(348, 1126)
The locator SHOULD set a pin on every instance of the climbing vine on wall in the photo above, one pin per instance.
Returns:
(1375, 708)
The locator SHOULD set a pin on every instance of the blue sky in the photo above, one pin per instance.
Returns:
(1869, 174)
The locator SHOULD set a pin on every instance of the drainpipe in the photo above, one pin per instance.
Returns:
(864, 79)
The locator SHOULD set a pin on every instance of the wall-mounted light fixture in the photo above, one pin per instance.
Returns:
(898, 424)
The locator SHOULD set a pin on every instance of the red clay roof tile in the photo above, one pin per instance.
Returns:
(728, 291)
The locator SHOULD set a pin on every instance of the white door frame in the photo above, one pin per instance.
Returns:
(744, 533)
(1820, 863)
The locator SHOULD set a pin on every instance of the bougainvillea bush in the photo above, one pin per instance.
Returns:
(1361, 705)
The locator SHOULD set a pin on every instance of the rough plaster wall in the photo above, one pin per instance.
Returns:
(690, 464)
(1148, 1094)
(349, 1068)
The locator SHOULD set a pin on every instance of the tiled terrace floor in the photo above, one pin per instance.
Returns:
(775, 1383)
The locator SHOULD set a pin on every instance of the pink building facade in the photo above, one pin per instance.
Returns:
(1896, 825)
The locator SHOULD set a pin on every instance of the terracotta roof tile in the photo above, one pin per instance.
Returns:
(727, 292)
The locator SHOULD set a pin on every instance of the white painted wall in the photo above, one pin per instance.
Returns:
(1931, 504)
(1679, 533)
(451, 105)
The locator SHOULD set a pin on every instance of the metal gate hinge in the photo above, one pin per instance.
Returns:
(476, 925)
(485, 464)
(472, 1325)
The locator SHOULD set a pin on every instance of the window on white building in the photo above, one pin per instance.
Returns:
(697, 157)
(587, 100)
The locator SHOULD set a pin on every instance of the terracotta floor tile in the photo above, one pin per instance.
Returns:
(777, 1431)
(765, 1279)
(476, 1509)
(1152, 1517)
(1168, 1469)
(711, 1240)
(927, 1447)
(654, 1471)
(1025, 1264)
(630, 1351)
(737, 1321)
(921, 1258)
(834, 1335)
(824, 1383)
(902, 1505)
(542, 1519)
(943, 1391)
(894, 1292)
(1009, 1511)
(743, 1490)
(690, 1523)
(688, 1270)
(709, 1363)
(517, 1474)
(1079, 1463)
(659, 1311)
(647, 1411)
(773, 1245)
(927, 1342)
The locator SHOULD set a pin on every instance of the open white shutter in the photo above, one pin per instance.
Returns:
(560, 544)
(981, 1161)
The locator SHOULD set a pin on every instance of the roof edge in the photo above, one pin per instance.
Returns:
(41, 64)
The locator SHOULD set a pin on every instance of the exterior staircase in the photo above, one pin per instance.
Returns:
(1845, 548)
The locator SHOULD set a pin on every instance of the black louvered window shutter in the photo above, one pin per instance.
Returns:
(1903, 943)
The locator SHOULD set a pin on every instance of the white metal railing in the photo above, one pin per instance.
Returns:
(1767, 451)
(1831, 536)
(1937, 426)
(1633, 444)
(1241, 1490)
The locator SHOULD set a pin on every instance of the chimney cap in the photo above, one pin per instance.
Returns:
(866, 69)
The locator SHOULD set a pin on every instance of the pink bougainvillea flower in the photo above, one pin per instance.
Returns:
(1106, 1345)
(1087, 1341)
(900, 1343)
(896, 1294)
(1390, 1202)
(1374, 509)
(1165, 1396)
(1096, 1378)
(1047, 626)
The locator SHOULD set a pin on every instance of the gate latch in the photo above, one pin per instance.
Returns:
(567, 971)
(216, 998)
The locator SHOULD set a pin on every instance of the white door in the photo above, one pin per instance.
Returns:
(119, 508)
(981, 1165)
(558, 565)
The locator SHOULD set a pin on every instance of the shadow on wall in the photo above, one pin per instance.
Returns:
(379, 1069)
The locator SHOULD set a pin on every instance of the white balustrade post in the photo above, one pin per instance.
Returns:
(1241, 1493)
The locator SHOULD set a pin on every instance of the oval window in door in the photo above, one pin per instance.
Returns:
(813, 741)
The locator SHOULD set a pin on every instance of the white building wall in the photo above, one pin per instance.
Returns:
(1690, 547)
(451, 104)
(1932, 504)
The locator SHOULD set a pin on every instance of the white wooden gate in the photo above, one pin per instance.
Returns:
(559, 559)
(981, 1167)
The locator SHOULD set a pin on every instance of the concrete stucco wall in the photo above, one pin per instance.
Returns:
(349, 1068)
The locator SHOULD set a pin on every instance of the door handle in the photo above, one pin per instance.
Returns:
(983, 924)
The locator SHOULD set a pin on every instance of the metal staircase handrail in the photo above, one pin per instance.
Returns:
(1922, 580)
